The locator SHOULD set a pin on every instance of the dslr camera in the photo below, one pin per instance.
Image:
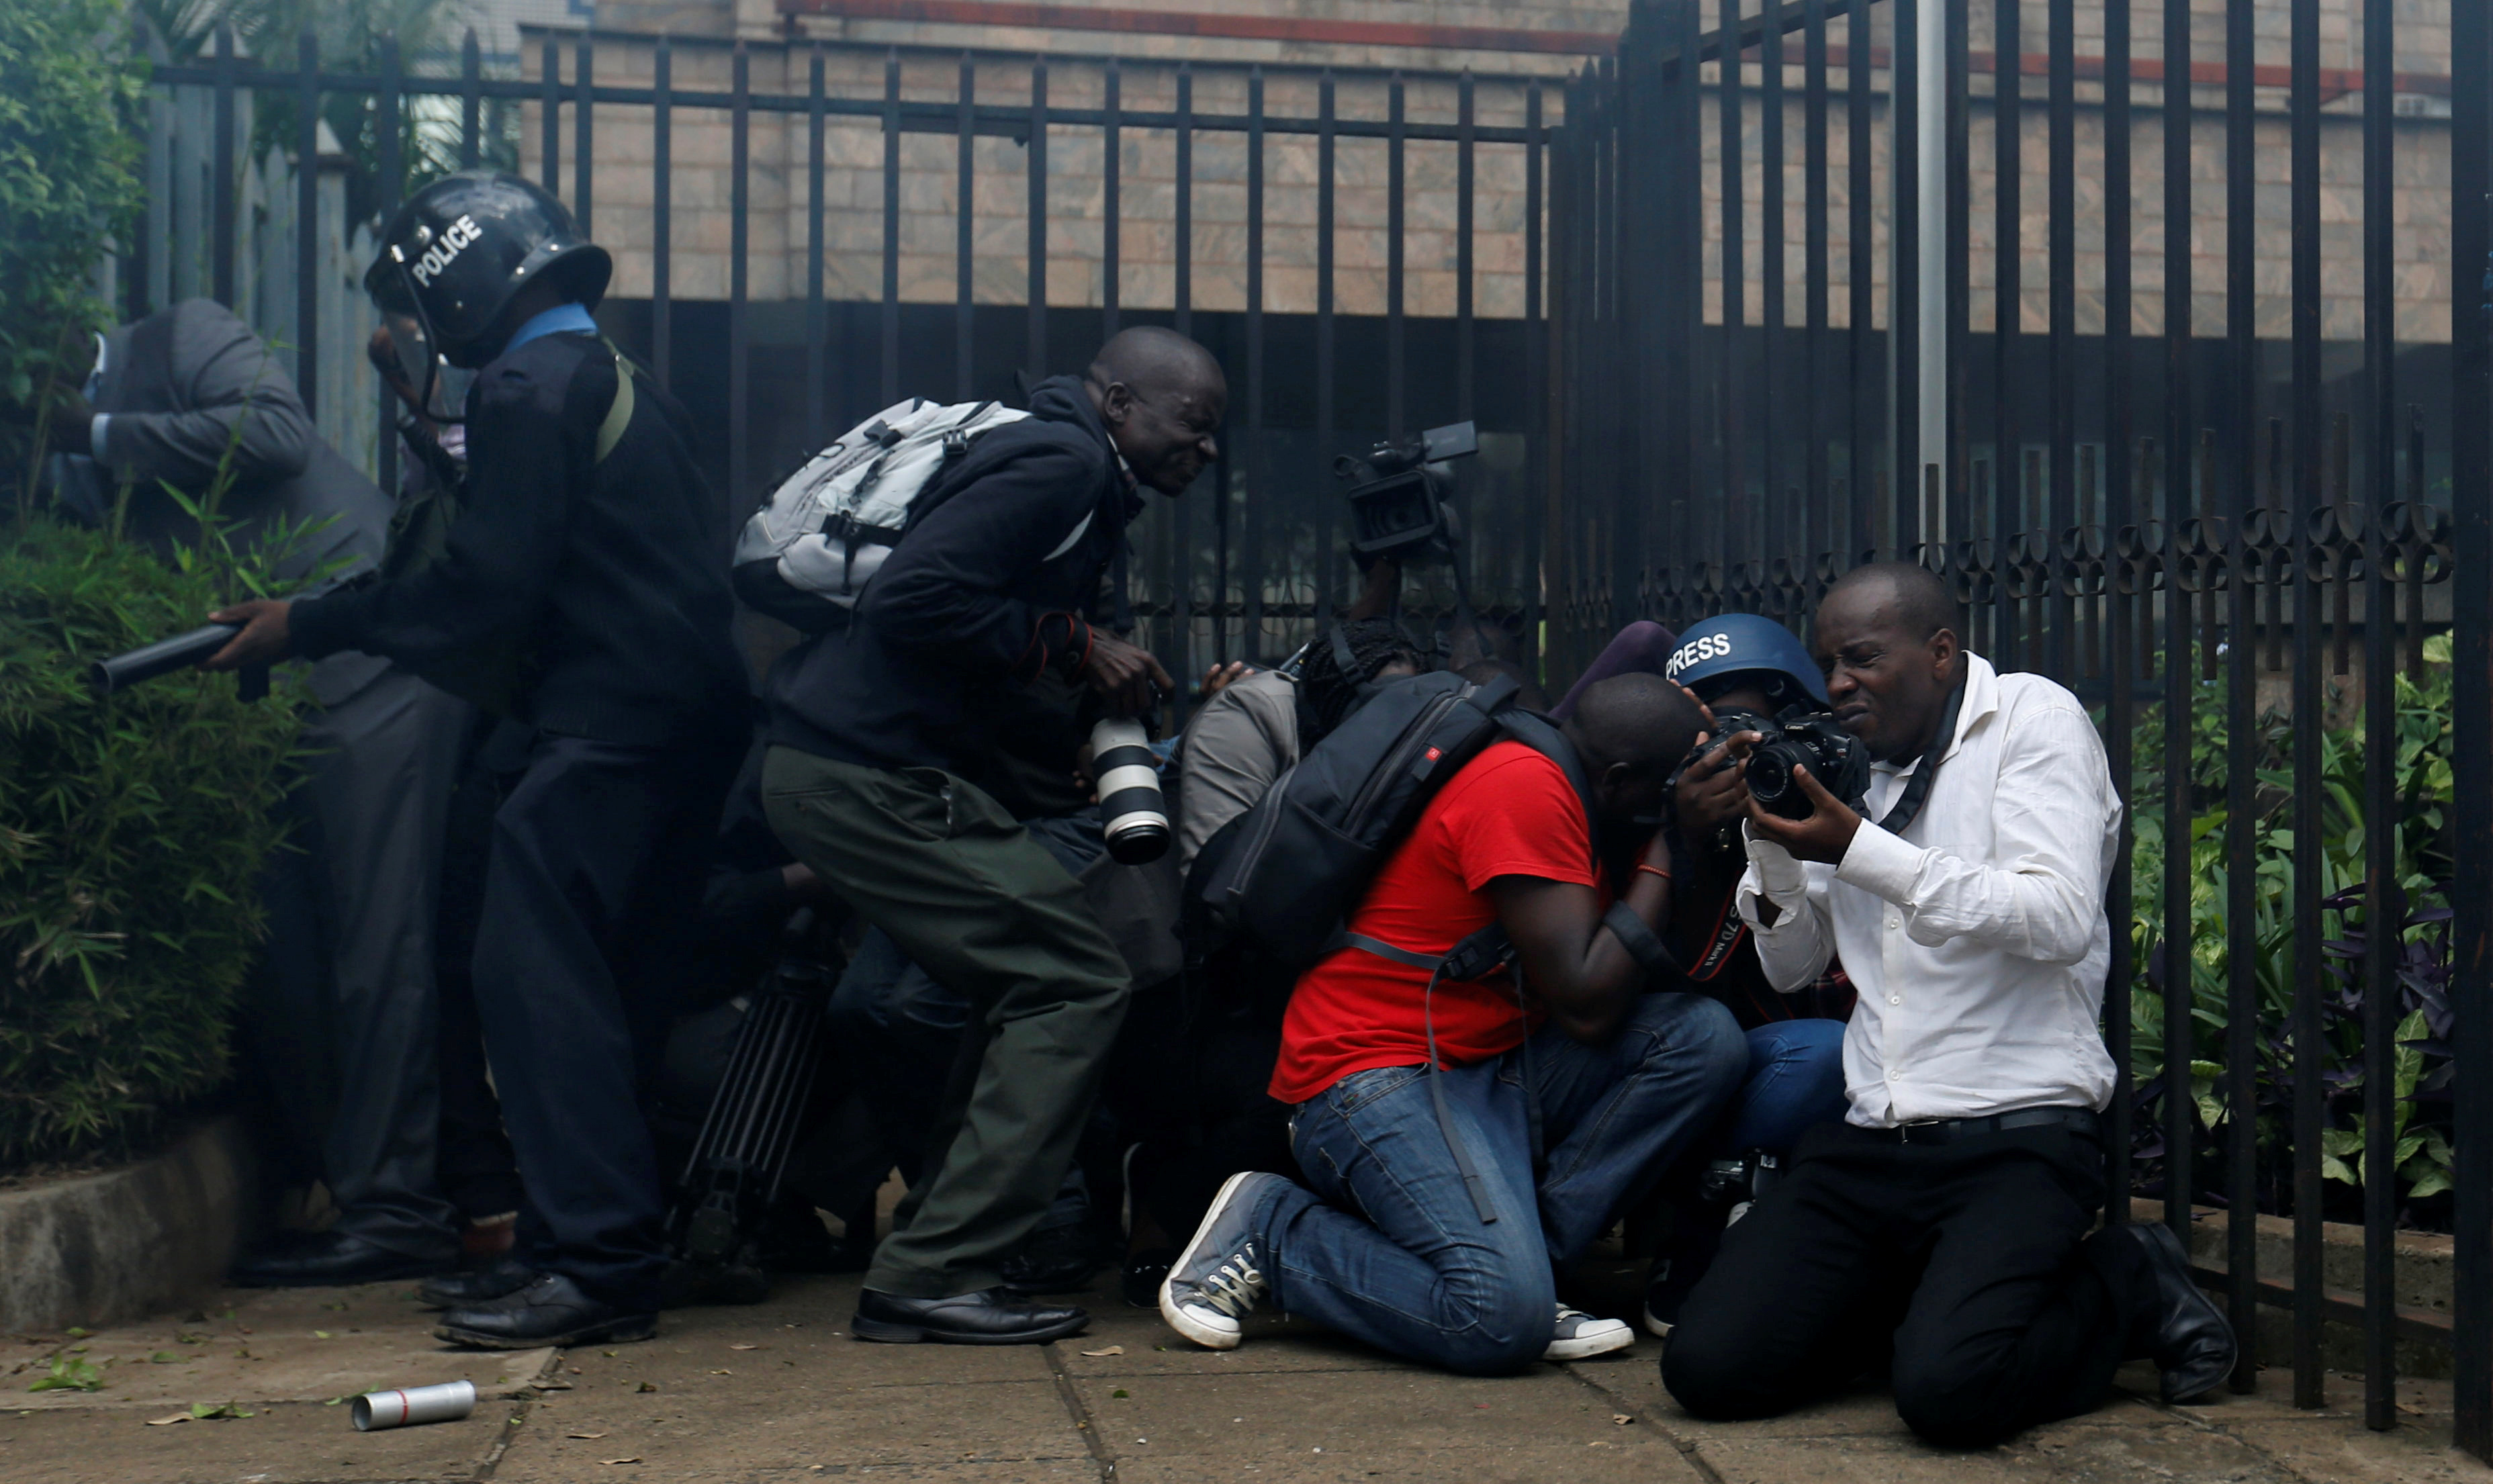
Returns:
(1397, 495)
(1800, 736)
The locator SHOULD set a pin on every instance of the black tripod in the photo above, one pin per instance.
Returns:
(731, 1179)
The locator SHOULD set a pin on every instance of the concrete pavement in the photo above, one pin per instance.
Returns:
(780, 1392)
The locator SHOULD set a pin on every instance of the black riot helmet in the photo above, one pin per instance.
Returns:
(456, 254)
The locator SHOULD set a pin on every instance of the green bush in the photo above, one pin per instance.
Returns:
(2422, 780)
(132, 832)
(131, 835)
(68, 175)
(133, 829)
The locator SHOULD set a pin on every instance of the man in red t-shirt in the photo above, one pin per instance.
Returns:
(1423, 1228)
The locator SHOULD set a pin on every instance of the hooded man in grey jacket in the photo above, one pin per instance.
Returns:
(343, 1023)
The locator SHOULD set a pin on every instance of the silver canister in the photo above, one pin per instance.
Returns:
(410, 1405)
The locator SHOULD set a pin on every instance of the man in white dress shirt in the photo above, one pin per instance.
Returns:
(1946, 1220)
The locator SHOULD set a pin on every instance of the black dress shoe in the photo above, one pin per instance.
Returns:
(553, 1310)
(2192, 1344)
(996, 1315)
(472, 1286)
(328, 1259)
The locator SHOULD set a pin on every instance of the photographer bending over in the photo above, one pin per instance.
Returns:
(1395, 1243)
(881, 737)
(1948, 1218)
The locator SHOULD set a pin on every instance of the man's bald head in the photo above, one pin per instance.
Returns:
(1156, 362)
(1891, 641)
(1161, 398)
(1640, 720)
(1913, 596)
(1630, 732)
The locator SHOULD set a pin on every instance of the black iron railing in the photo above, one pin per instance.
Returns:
(1250, 575)
(2248, 575)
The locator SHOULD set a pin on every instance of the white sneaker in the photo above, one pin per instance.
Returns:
(1218, 1278)
(1576, 1334)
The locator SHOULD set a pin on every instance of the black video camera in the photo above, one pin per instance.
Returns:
(1799, 737)
(1397, 495)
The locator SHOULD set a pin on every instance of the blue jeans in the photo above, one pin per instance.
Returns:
(1795, 1082)
(1387, 1246)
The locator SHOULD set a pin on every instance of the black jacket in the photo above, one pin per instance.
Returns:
(989, 588)
(613, 573)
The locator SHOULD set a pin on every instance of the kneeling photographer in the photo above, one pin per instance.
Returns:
(1427, 1078)
(1945, 1223)
(1769, 712)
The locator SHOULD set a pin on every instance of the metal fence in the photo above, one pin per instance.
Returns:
(1244, 568)
(2247, 574)
(1761, 249)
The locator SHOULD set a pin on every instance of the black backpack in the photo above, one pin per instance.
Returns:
(1285, 876)
(1293, 868)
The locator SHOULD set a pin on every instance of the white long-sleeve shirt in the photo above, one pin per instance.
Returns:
(1977, 939)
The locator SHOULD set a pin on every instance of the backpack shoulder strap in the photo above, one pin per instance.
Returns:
(618, 413)
(1640, 940)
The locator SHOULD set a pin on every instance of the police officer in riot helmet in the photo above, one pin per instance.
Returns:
(577, 584)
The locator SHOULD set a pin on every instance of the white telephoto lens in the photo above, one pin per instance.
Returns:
(1132, 814)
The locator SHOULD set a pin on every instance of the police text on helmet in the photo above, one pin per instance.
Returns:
(437, 258)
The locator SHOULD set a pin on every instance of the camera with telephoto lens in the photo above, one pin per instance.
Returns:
(1397, 495)
(1132, 815)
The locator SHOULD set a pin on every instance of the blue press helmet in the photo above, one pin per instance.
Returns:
(1742, 644)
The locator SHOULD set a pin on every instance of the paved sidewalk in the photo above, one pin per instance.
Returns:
(779, 1393)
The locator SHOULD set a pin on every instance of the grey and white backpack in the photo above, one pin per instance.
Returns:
(807, 554)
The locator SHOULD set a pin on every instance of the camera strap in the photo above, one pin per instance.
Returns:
(1917, 788)
(1730, 930)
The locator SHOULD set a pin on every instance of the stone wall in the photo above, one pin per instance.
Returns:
(929, 204)
(929, 186)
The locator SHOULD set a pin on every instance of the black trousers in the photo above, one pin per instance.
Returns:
(479, 1173)
(1967, 1265)
(339, 1022)
(590, 900)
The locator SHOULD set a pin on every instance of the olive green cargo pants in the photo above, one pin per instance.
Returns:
(965, 891)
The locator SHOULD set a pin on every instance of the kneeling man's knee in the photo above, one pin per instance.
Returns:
(1509, 1327)
(1712, 1372)
(1706, 1033)
(1954, 1401)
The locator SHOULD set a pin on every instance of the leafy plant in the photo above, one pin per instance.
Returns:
(132, 833)
(2423, 784)
(68, 180)
(2421, 1159)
